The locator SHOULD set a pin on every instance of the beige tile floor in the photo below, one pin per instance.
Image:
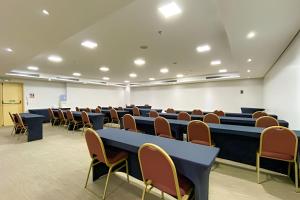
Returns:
(55, 168)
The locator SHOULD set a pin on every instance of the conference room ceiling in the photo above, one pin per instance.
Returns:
(121, 27)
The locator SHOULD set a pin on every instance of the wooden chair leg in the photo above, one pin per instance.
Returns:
(257, 167)
(127, 171)
(144, 192)
(296, 176)
(106, 182)
(87, 178)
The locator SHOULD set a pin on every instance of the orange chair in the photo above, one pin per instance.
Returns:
(109, 107)
(266, 121)
(77, 109)
(197, 112)
(111, 158)
(22, 127)
(114, 116)
(53, 119)
(162, 176)
(278, 143)
(170, 110)
(211, 118)
(220, 113)
(16, 124)
(62, 120)
(184, 116)
(88, 110)
(120, 108)
(72, 121)
(136, 111)
(129, 123)
(98, 110)
(162, 127)
(85, 121)
(199, 133)
(259, 114)
(153, 113)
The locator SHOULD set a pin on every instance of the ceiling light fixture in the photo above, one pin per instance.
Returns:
(203, 48)
(89, 44)
(251, 35)
(215, 62)
(248, 70)
(126, 81)
(222, 70)
(132, 75)
(104, 69)
(106, 78)
(179, 75)
(33, 68)
(76, 74)
(8, 50)
(249, 60)
(45, 12)
(164, 70)
(170, 9)
(151, 79)
(139, 61)
(55, 58)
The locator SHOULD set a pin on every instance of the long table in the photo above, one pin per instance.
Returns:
(228, 114)
(144, 111)
(35, 126)
(225, 120)
(44, 112)
(236, 143)
(191, 160)
(120, 113)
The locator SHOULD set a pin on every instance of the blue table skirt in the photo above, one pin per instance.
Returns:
(35, 126)
(44, 112)
(236, 143)
(144, 112)
(191, 160)
(251, 110)
(121, 113)
(241, 121)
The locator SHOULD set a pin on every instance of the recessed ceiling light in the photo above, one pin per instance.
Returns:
(164, 70)
(132, 75)
(45, 12)
(170, 9)
(104, 69)
(106, 78)
(179, 75)
(203, 48)
(249, 60)
(139, 61)
(248, 70)
(126, 81)
(89, 44)
(223, 70)
(251, 35)
(76, 74)
(8, 50)
(55, 58)
(33, 68)
(151, 79)
(215, 62)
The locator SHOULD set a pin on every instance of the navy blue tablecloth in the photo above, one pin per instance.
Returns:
(121, 113)
(97, 119)
(241, 121)
(191, 160)
(35, 125)
(236, 143)
(251, 110)
(144, 111)
(44, 112)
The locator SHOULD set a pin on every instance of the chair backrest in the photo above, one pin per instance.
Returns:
(279, 140)
(259, 114)
(163, 175)
(70, 116)
(162, 126)
(12, 118)
(98, 110)
(19, 119)
(170, 110)
(153, 113)
(77, 109)
(220, 113)
(136, 111)
(61, 114)
(50, 112)
(114, 114)
(198, 131)
(88, 110)
(85, 118)
(211, 118)
(95, 146)
(197, 112)
(266, 121)
(184, 116)
(120, 108)
(109, 107)
(129, 123)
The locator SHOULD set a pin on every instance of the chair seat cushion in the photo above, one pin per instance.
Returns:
(200, 142)
(275, 155)
(114, 156)
(166, 136)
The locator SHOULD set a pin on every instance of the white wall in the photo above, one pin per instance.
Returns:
(92, 96)
(207, 96)
(282, 86)
(46, 94)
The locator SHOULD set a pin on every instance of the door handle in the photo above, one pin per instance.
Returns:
(11, 102)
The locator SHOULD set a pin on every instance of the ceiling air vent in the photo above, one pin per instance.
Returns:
(66, 78)
(170, 81)
(214, 77)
